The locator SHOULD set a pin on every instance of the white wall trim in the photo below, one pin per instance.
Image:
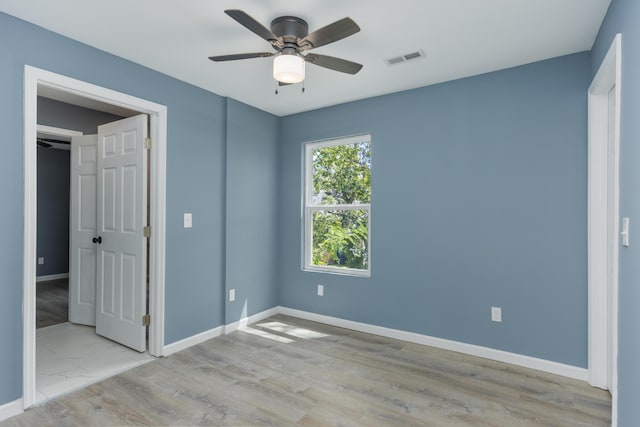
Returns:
(609, 75)
(29, 246)
(158, 191)
(470, 349)
(11, 409)
(192, 340)
(58, 131)
(34, 77)
(251, 319)
(52, 277)
(215, 332)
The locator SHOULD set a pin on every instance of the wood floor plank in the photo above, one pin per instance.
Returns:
(52, 302)
(291, 372)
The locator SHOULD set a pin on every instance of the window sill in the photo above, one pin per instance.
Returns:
(339, 271)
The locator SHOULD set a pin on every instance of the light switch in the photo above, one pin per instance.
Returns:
(188, 221)
(625, 232)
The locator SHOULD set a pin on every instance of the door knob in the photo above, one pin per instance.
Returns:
(97, 239)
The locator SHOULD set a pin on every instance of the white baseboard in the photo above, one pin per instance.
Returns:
(11, 409)
(52, 277)
(215, 332)
(470, 349)
(251, 319)
(192, 340)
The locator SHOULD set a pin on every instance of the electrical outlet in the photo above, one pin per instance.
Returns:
(320, 290)
(232, 295)
(41, 260)
(496, 314)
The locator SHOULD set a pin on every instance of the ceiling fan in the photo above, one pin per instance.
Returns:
(289, 36)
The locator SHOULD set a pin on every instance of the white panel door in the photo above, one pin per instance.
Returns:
(122, 212)
(82, 230)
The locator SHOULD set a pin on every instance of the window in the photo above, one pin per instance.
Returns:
(338, 206)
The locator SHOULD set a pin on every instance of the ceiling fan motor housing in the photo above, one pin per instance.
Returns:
(290, 28)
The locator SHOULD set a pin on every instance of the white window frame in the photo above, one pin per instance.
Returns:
(310, 208)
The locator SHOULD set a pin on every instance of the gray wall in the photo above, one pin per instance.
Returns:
(478, 200)
(252, 187)
(623, 17)
(53, 211)
(53, 182)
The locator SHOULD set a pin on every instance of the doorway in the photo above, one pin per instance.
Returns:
(52, 267)
(84, 94)
(603, 222)
(70, 354)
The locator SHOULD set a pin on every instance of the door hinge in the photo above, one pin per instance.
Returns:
(146, 320)
(147, 143)
(146, 231)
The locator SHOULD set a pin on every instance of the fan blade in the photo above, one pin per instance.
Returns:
(332, 63)
(329, 34)
(221, 58)
(251, 24)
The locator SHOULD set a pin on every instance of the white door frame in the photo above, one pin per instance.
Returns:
(34, 77)
(59, 132)
(599, 214)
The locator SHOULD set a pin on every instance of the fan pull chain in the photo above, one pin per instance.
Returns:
(276, 87)
(303, 86)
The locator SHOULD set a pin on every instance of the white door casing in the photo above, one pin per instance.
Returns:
(122, 212)
(604, 104)
(82, 229)
(37, 77)
(612, 228)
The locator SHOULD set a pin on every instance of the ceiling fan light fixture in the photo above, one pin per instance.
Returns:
(288, 68)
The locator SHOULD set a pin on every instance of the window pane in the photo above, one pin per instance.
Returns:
(342, 174)
(340, 238)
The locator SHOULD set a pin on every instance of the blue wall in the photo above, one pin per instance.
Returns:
(623, 17)
(53, 211)
(252, 186)
(479, 200)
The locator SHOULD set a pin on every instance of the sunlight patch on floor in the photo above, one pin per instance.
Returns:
(294, 331)
(265, 334)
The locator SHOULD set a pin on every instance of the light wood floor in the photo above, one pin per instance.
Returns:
(289, 372)
(52, 302)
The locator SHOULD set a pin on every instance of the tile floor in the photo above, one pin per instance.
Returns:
(69, 357)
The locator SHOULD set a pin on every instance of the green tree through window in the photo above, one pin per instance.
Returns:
(338, 206)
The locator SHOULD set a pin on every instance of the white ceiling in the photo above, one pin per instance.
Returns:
(460, 37)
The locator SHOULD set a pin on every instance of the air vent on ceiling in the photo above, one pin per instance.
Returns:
(408, 57)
